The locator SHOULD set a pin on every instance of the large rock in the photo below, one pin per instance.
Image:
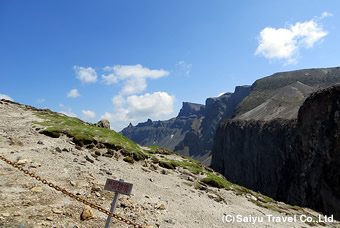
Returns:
(314, 163)
(296, 160)
(103, 124)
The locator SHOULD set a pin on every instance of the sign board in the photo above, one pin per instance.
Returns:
(118, 186)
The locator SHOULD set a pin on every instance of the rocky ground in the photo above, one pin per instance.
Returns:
(160, 197)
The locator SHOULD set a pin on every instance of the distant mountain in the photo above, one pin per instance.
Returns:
(191, 133)
(166, 133)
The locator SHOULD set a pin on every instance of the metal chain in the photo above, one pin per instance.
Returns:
(63, 190)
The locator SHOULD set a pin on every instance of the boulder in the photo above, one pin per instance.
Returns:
(103, 124)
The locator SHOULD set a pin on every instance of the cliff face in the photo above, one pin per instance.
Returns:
(218, 109)
(167, 133)
(317, 153)
(191, 133)
(253, 153)
(296, 161)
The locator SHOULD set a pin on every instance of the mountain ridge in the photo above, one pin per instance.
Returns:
(191, 132)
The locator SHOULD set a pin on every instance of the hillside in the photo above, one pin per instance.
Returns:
(169, 190)
(263, 88)
(283, 103)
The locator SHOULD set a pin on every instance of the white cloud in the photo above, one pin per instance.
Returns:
(73, 93)
(88, 114)
(6, 97)
(285, 43)
(325, 14)
(86, 75)
(118, 101)
(137, 108)
(110, 79)
(183, 68)
(153, 105)
(134, 77)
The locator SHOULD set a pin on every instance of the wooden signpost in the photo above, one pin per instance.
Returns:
(119, 187)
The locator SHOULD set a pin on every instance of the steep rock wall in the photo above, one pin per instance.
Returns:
(316, 157)
(296, 161)
(253, 153)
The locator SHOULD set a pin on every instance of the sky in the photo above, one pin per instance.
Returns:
(131, 60)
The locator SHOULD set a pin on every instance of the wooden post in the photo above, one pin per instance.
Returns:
(119, 187)
(113, 207)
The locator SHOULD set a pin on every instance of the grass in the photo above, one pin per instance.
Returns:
(158, 150)
(268, 206)
(154, 159)
(168, 164)
(84, 134)
(198, 186)
(240, 190)
(216, 181)
(129, 160)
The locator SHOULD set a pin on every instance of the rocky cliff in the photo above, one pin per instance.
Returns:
(314, 161)
(191, 133)
(293, 160)
(198, 144)
(167, 133)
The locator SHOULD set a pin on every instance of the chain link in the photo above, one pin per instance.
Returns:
(70, 194)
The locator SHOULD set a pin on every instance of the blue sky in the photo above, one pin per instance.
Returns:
(128, 61)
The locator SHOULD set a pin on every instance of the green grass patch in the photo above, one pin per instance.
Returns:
(198, 186)
(216, 181)
(87, 134)
(297, 208)
(268, 206)
(129, 160)
(159, 150)
(51, 132)
(154, 159)
(191, 164)
(240, 190)
(168, 164)
(264, 198)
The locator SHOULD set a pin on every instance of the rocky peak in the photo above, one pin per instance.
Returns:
(147, 123)
(212, 100)
(189, 109)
